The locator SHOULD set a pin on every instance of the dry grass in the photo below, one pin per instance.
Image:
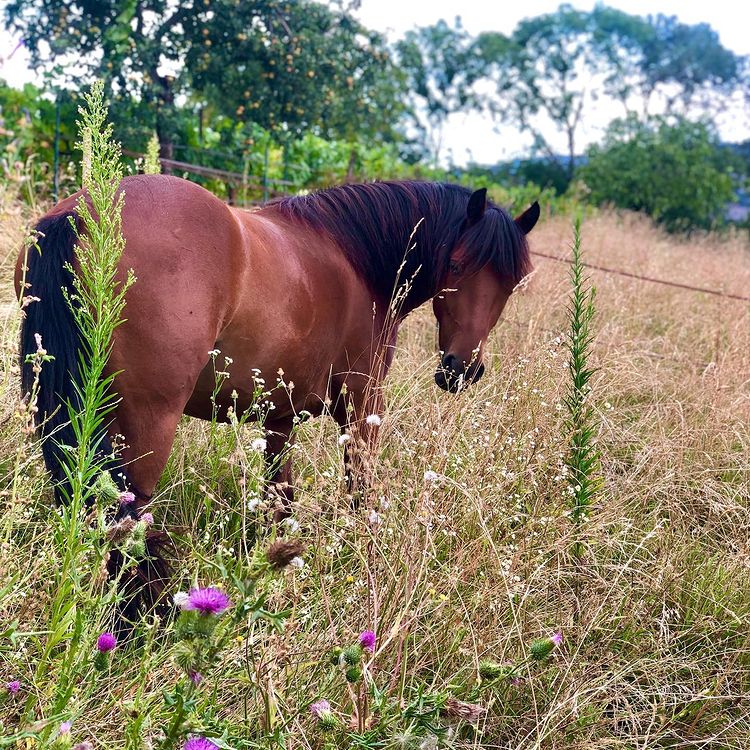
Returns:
(655, 616)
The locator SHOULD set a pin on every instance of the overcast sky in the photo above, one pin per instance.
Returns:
(476, 136)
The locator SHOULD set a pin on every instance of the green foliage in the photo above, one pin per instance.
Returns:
(676, 173)
(289, 67)
(293, 68)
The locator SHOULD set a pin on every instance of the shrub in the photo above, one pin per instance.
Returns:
(676, 173)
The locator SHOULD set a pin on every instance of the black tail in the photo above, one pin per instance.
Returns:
(48, 278)
(52, 320)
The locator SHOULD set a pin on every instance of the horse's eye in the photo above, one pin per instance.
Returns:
(455, 268)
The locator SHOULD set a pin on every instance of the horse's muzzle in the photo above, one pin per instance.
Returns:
(452, 376)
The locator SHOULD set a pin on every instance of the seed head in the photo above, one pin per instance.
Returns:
(282, 552)
(470, 712)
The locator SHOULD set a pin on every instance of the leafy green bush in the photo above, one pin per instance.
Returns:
(676, 173)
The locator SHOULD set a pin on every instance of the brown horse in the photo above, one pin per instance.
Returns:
(313, 286)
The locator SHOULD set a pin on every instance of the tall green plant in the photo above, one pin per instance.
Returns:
(582, 459)
(80, 596)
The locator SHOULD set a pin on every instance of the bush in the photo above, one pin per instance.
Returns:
(676, 173)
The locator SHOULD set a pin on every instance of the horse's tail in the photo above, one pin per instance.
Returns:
(49, 324)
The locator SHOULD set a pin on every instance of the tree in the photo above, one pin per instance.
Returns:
(555, 68)
(542, 73)
(659, 55)
(287, 65)
(677, 173)
(441, 64)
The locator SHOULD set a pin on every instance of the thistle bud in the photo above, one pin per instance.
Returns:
(353, 674)
(352, 655)
(541, 648)
(492, 670)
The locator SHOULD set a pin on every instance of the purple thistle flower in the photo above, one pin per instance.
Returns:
(127, 498)
(199, 743)
(208, 601)
(13, 687)
(105, 643)
(320, 708)
(195, 678)
(65, 728)
(148, 519)
(557, 638)
(367, 640)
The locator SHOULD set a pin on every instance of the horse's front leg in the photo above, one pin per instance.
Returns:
(360, 422)
(279, 488)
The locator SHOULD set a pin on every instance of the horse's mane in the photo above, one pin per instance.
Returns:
(373, 223)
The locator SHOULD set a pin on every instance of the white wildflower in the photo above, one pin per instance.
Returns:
(345, 438)
(374, 420)
(259, 444)
(180, 599)
(292, 524)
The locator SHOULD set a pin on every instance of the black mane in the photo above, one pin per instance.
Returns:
(373, 224)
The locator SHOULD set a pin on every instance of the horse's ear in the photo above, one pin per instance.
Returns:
(528, 219)
(477, 204)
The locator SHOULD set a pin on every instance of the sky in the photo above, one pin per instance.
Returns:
(475, 136)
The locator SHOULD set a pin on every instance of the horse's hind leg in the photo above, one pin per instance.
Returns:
(279, 441)
(148, 427)
(154, 387)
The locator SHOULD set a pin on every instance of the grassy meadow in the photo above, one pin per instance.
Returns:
(451, 572)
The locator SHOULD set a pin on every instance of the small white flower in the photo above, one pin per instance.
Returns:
(259, 444)
(431, 476)
(180, 599)
(292, 524)
(374, 517)
(374, 420)
(253, 503)
(345, 438)
(297, 562)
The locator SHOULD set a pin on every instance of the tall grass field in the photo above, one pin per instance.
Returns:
(487, 593)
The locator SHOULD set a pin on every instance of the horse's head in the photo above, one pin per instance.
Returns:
(487, 262)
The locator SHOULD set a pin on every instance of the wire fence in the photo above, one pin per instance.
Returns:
(651, 279)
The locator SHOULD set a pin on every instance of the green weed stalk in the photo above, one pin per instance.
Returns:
(80, 596)
(581, 424)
